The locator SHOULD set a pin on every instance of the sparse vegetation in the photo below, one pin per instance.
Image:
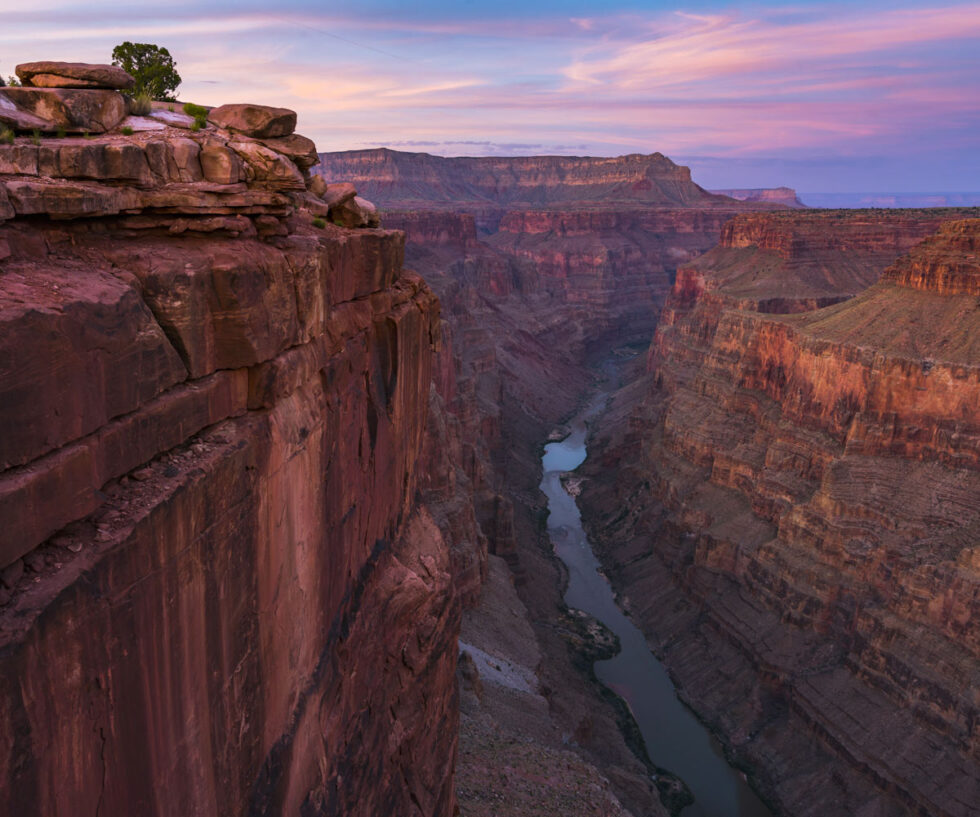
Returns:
(196, 126)
(319, 222)
(141, 104)
(61, 132)
(13, 81)
(151, 66)
(126, 131)
(6, 136)
(200, 114)
(36, 136)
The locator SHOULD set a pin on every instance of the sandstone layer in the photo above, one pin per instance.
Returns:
(220, 593)
(793, 511)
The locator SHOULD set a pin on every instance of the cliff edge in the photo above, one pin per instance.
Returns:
(220, 594)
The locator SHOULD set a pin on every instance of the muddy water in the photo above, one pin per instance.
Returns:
(674, 738)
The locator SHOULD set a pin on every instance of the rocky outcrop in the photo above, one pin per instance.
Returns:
(219, 592)
(795, 534)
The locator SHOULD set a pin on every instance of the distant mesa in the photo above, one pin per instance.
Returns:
(775, 195)
(410, 180)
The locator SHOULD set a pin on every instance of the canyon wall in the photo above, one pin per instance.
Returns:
(221, 593)
(792, 511)
(543, 266)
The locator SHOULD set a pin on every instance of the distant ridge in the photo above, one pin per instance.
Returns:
(862, 200)
(395, 178)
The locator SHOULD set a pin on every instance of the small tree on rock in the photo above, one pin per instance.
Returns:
(151, 66)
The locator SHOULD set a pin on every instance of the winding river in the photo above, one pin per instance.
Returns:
(675, 739)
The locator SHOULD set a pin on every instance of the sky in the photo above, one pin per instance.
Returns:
(820, 96)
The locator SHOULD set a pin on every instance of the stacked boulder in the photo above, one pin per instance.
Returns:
(344, 207)
(73, 97)
(239, 169)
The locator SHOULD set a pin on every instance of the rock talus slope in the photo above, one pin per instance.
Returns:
(219, 593)
(794, 513)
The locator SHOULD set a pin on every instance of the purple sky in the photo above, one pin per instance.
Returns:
(820, 96)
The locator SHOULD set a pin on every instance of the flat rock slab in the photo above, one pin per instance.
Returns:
(174, 119)
(259, 121)
(73, 75)
(143, 123)
(76, 111)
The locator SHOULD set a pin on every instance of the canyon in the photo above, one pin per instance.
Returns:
(273, 540)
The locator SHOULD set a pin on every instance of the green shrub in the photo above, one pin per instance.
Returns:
(62, 133)
(6, 136)
(126, 131)
(36, 136)
(196, 126)
(200, 114)
(141, 104)
(319, 222)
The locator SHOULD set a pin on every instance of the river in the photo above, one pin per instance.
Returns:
(675, 739)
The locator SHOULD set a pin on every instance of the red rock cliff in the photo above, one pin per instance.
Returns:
(799, 516)
(219, 592)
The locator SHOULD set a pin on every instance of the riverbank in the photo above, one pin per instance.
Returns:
(673, 737)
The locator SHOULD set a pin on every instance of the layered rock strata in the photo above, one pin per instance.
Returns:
(220, 593)
(794, 499)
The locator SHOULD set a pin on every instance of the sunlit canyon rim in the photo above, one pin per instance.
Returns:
(273, 541)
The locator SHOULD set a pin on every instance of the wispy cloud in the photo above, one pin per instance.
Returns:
(809, 80)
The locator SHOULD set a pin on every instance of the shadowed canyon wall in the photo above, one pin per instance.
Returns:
(787, 502)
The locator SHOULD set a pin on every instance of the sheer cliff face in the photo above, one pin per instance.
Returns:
(795, 503)
(219, 593)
